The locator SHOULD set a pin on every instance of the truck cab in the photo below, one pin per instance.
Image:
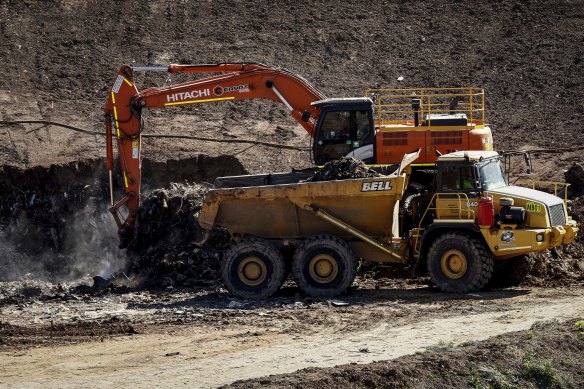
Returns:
(476, 222)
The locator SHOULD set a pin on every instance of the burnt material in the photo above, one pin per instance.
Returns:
(164, 252)
(343, 169)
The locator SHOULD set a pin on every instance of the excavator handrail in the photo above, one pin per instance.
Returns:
(396, 106)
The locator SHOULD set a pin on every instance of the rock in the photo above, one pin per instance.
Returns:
(575, 177)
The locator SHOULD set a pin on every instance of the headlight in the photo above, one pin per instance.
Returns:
(539, 237)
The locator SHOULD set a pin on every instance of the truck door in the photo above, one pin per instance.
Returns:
(457, 188)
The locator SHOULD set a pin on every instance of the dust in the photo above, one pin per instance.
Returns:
(57, 232)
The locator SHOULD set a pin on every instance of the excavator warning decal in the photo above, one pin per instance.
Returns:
(118, 84)
(135, 149)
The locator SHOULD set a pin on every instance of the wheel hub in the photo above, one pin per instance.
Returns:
(323, 268)
(454, 264)
(252, 271)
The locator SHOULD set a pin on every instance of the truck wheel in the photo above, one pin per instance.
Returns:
(253, 269)
(512, 271)
(459, 263)
(324, 266)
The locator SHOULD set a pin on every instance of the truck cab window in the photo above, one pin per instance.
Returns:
(458, 178)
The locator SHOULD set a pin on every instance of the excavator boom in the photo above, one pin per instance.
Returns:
(229, 82)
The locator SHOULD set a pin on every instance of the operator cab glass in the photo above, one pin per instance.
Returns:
(342, 132)
(491, 175)
(458, 178)
(345, 127)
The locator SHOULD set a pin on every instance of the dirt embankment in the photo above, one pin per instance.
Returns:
(546, 356)
(60, 57)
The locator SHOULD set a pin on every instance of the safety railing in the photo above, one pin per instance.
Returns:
(462, 211)
(557, 186)
(399, 106)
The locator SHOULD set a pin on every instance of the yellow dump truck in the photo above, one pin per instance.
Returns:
(468, 222)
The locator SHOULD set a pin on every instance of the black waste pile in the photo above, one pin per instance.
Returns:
(57, 233)
(575, 177)
(343, 169)
(163, 253)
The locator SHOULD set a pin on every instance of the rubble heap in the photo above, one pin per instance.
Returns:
(163, 252)
(343, 169)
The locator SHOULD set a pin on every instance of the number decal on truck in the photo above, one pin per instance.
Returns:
(533, 207)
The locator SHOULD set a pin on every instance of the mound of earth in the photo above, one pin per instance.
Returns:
(61, 57)
(547, 356)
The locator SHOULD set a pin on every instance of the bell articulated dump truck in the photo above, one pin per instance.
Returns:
(469, 225)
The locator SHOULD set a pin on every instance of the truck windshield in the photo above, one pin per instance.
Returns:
(491, 175)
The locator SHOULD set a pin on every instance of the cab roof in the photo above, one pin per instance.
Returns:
(343, 101)
(470, 155)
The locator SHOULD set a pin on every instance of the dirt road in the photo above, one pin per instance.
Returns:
(209, 340)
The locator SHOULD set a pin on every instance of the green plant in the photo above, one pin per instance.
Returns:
(543, 373)
(431, 377)
(529, 335)
(496, 378)
(475, 381)
(441, 347)
(545, 323)
(579, 325)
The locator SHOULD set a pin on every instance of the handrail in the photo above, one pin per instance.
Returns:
(469, 101)
(555, 184)
(470, 213)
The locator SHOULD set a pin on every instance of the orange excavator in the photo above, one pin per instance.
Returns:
(338, 126)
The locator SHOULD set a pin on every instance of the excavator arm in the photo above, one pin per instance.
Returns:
(229, 82)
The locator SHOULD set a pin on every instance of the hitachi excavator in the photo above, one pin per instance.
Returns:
(436, 120)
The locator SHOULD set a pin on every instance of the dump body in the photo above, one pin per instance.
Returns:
(286, 210)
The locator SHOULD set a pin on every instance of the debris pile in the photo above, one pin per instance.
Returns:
(343, 169)
(575, 177)
(163, 253)
(56, 231)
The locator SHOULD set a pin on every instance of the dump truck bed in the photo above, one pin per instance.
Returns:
(285, 210)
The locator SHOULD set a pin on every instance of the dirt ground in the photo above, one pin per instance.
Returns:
(205, 338)
(58, 330)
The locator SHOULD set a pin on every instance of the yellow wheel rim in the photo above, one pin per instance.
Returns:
(252, 271)
(323, 268)
(453, 264)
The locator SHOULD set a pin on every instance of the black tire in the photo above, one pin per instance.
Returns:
(253, 269)
(459, 263)
(324, 266)
(512, 271)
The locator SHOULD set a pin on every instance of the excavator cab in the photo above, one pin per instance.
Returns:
(344, 128)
